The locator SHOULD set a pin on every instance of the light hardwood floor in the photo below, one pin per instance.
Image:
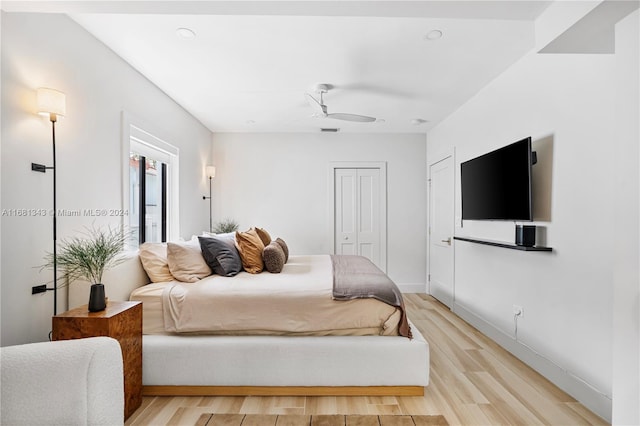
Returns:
(473, 381)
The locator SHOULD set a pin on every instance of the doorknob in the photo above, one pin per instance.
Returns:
(346, 237)
(448, 241)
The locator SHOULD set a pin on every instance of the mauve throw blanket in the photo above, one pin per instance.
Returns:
(356, 277)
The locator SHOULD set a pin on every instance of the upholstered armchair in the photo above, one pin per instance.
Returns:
(66, 382)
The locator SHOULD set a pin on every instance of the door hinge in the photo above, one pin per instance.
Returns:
(429, 278)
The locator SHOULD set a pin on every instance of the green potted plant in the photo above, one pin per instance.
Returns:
(87, 257)
(225, 226)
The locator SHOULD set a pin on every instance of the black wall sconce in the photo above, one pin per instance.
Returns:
(211, 173)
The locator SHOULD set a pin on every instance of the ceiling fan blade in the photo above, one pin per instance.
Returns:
(317, 106)
(351, 117)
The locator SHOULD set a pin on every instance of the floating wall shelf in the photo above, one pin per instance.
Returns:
(503, 245)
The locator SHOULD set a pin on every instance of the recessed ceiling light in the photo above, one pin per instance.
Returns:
(185, 33)
(433, 35)
(418, 121)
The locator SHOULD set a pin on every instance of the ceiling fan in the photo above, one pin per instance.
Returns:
(321, 108)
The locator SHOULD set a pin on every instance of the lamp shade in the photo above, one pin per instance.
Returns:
(51, 101)
(211, 171)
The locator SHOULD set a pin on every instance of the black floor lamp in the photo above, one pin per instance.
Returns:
(211, 173)
(52, 103)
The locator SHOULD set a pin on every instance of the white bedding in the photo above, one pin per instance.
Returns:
(297, 301)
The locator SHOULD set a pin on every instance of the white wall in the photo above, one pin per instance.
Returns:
(567, 102)
(279, 182)
(626, 302)
(51, 50)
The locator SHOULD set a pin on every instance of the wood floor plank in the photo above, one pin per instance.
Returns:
(352, 405)
(395, 421)
(587, 416)
(540, 404)
(508, 404)
(389, 409)
(493, 415)
(321, 405)
(418, 405)
(226, 420)
(186, 416)
(225, 404)
(203, 420)
(253, 405)
(260, 420)
(359, 420)
(328, 420)
(159, 411)
(430, 421)
(294, 420)
(134, 417)
(289, 401)
(445, 402)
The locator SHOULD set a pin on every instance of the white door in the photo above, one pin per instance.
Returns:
(441, 224)
(368, 209)
(346, 236)
(357, 216)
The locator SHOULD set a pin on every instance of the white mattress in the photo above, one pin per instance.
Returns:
(298, 301)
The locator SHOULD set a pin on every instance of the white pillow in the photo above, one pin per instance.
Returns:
(231, 235)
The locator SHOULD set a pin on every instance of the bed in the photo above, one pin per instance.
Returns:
(286, 337)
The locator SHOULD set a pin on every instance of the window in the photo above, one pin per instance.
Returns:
(148, 213)
(150, 185)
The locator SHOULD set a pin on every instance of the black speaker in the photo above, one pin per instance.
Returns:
(525, 235)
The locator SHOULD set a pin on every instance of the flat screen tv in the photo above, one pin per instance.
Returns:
(497, 185)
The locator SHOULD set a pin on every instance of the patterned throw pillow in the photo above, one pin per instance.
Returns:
(273, 258)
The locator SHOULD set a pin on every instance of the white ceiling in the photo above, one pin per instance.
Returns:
(250, 63)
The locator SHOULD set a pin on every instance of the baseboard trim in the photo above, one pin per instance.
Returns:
(565, 380)
(412, 288)
(283, 390)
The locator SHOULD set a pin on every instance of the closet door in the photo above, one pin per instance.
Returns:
(346, 236)
(368, 213)
(357, 224)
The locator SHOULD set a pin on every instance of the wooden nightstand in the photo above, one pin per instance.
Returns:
(123, 322)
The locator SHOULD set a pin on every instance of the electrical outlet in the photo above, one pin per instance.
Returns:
(518, 311)
(38, 289)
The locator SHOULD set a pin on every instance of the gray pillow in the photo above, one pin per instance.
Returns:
(273, 258)
(221, 255)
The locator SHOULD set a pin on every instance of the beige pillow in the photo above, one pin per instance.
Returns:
(154, 261)
(186, 262)
(264, 236)
(250, 247)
